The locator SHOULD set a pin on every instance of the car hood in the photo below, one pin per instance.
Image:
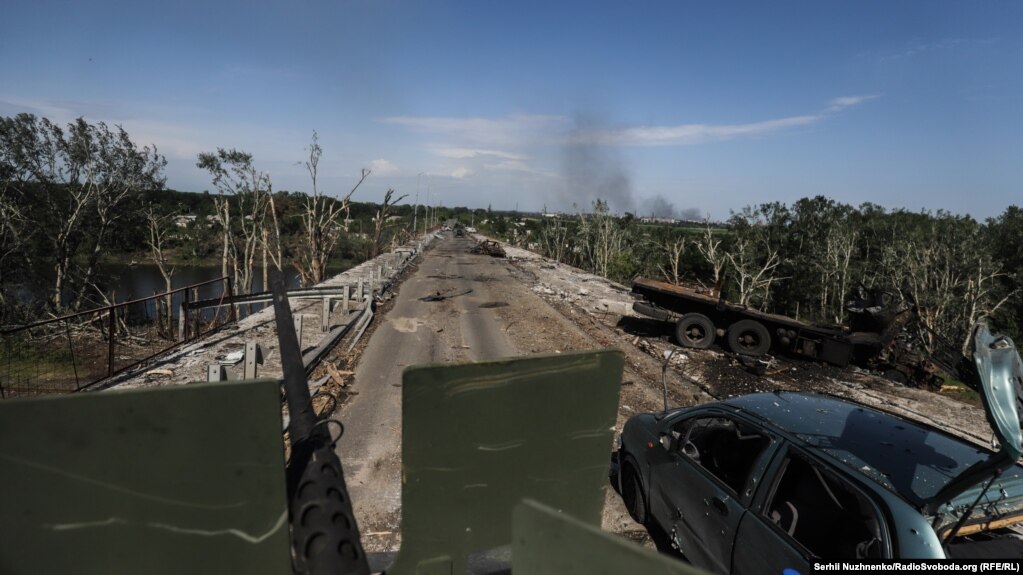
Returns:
(997, 375)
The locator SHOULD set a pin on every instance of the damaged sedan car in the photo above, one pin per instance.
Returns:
(771, 482)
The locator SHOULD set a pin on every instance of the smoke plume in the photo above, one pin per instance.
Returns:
(593, 170)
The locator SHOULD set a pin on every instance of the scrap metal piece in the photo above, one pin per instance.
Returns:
(475, 442)
(488, 248)
(443, 296)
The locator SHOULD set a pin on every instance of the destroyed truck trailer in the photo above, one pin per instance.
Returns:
(700, 319)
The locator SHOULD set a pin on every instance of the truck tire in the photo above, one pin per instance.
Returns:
(749, 337)
(695, 330)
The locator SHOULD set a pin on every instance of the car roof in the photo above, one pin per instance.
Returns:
(909, 458)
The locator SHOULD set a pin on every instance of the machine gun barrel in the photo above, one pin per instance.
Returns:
(325, 535)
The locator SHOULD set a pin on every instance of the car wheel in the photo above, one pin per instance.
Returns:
(695, 330)
(749, 337)
(632, 495)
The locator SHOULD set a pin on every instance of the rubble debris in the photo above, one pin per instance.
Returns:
(443, 296)
(230, 358)
(488, 248)
(754, 365)
(337, 375)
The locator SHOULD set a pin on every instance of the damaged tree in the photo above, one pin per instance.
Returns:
(710, 248)
(157, 227)
(239, 184)
(753, 258)
(381, 220)
(82, 181)
(322, 221)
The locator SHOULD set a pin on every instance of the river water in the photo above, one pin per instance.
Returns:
(132, 282)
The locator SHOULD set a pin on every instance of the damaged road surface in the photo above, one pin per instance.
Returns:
(421, 329)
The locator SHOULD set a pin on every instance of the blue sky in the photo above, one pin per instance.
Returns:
(707, 105)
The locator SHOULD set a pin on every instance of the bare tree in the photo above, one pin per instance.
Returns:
(15, 230)
(381, 219)
(553, 237)
(711, 250)
(157, 227)
(602, 239)
(753, 263)
(674, 248)
(240, 184)
(753, 257)
(322, 221)
(271, 241)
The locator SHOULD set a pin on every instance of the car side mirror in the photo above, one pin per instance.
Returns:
(666, 441)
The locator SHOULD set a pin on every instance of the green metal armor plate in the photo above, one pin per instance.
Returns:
(185, 479)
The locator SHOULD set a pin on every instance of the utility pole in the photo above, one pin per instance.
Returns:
(415, 209)
(426, 223)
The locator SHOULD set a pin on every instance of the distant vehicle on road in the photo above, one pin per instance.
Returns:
(769, 482)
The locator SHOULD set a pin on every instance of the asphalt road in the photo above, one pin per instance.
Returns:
(463, 327)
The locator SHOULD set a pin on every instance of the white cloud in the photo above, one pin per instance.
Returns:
(382, 167)
(466, 153)
(461, 173)
(54, 111)
(689, 134)
(509, 130)
(848, 101)
(520, 130)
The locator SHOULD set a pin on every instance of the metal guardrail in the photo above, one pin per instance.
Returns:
(77, 351)
(73, 352)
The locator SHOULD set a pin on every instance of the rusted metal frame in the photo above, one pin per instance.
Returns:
(112, 372)
(262, 297)
(105, 308)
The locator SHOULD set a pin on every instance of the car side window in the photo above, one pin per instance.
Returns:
(824, 514)
(679, 431)
(725, 448)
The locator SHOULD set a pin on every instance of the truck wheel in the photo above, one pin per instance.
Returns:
(749, 337)
(695, 330)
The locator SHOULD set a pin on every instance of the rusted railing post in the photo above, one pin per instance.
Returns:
(71, 348)
(197, 329)
(230, 292)
(7, 368)
(112, 314)
(183, 318)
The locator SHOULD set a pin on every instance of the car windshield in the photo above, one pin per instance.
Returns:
(907, 458)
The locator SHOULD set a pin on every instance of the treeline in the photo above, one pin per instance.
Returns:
(76, 197)
(808, 259)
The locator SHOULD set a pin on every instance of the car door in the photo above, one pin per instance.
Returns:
(704, 488)
(809, 513)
